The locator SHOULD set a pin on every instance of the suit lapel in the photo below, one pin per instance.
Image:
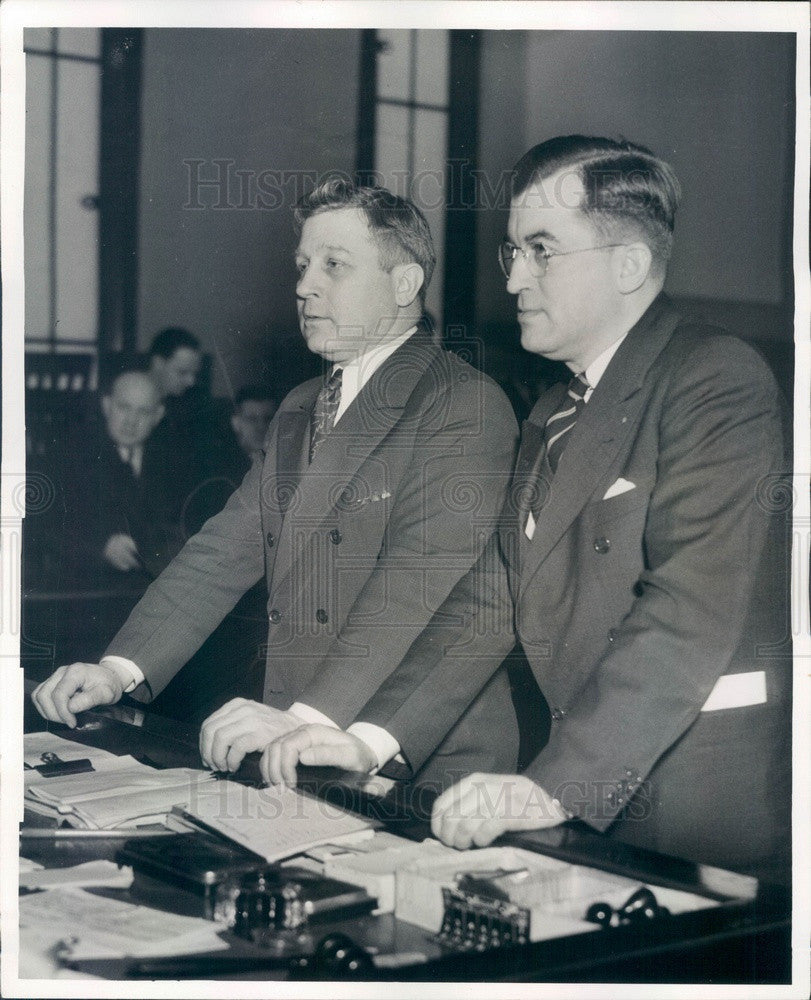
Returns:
(282, 470)
(367, 421)
(596, 439)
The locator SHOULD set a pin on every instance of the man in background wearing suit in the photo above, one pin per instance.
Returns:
(648, 575)
(380, 487)
(115, 527)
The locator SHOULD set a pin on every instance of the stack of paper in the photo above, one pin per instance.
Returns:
(130, 795)
(274, 823)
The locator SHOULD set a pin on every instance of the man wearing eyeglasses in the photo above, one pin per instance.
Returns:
(650, 596)
(643, 560)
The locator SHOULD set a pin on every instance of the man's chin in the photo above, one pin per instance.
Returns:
(533, 337)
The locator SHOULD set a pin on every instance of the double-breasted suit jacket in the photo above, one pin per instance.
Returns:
(657, 568)
(359, 548)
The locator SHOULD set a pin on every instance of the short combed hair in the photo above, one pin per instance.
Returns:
(628, 190)
(166, 342)
(398, 226)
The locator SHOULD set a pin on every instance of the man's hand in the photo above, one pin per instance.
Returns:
(76, 688)
(239, 727)
(121, 552)
(483, 806)
(314, 744)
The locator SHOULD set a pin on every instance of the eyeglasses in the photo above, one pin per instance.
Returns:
(537, 256)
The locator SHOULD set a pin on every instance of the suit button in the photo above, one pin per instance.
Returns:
(270, 539)
(558, 713)
(275, 616)
(335, 536)
(602, 545)
(612, 635)
(321, 616)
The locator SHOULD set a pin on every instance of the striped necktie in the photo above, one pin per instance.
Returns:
(557, 427)
(326, 406)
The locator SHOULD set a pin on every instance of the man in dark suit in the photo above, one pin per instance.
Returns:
(115, 532)
(379, 489)
(647, 569)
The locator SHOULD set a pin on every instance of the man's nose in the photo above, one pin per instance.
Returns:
(306, 284)
(520, 277)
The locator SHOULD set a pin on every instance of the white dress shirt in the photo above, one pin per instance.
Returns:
(356, 374)
(133, 456)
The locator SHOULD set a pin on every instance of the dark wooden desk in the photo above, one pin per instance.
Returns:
(744, 940)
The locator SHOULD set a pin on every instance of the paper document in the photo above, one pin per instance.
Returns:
(103, 927)
(131, 795)
(95, 873)
(273, 822)
(38, 745)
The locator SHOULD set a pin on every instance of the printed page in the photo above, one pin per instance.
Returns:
(274, 822)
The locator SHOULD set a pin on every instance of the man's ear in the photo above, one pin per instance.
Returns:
(634, 267)
(408, 280)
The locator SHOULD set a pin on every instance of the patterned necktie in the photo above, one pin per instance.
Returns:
(557, 427)
(326, 406)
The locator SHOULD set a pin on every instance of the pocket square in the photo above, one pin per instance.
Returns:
(619, 487)
(370, 498)
(737, 691)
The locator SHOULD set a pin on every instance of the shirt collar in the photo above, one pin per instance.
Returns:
(358, 371)
(596, 369)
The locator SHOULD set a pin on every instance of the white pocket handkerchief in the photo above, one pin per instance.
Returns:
(737, 691)
(620, 486)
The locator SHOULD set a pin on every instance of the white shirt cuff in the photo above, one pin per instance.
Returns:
(130, 675)
(382, 744)
(311, 715)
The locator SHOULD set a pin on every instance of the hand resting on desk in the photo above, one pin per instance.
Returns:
(77, 688)
(314, 744)
(240, 727)
(481, 807)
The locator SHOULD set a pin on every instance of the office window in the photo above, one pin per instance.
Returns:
(418, 135)
(61, 226)
(411, 130)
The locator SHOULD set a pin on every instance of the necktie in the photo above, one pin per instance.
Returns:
(326, 406)
(557, 427)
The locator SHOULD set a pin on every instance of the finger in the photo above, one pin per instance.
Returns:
(465, 832)
(347, 754)
(240, 735)
(86, 698)
(242, 745)
(487, 831)
(263, 765)
(457, 817)
(453, 793)
(449, 805)
(271, 759)
(66, 687)
(204, 743)
(288, 759)
(220, 744)
(43, 695)
(212, 726)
